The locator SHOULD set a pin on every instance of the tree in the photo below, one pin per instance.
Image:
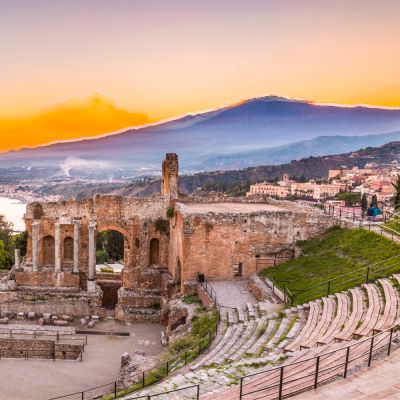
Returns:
(374, 201)
(111, 243)
(364, 204)
(6, 237)
(21, 242)
(4, 257)
(351, 199)
(396, 199)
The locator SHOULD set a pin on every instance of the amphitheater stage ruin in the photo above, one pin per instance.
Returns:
(170, 240)
(172, 244)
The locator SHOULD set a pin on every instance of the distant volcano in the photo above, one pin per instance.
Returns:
(252, 125)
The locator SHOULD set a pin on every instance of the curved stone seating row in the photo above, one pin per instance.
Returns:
(356, 315)
(312, 320)
(326, 329)
(373, 311)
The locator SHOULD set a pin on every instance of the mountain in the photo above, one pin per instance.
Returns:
(320, 146)
(250, 126)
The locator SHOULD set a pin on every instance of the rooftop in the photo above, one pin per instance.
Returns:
(228, 208)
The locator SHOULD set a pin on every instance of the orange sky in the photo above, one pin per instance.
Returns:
(156, 59)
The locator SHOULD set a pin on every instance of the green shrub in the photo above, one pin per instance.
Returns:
(170, 212)
(101, 256)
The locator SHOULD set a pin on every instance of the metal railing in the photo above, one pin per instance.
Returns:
(293, 378)
(192, 391)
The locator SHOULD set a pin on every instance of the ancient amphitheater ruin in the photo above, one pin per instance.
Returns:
(174, 246)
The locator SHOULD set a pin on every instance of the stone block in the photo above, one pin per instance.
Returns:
(91, 324)
(20, 315)
(66, 318)
(60, 322)
(41, 321)
(4, 321)
(164, 339)
(83, 322)
(31, 315)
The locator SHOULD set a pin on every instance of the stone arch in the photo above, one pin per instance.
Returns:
(48, 250)
(154, 251)
(125, 236)
(68, 248)
(37, 212)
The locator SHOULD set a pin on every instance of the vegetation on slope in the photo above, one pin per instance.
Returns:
(339, 251)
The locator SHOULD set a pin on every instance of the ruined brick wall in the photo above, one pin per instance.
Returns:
(74, 304)
(46, 279)
(214, 244)
(135, 218)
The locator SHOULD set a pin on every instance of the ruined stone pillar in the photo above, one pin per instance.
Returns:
(57, 247)
(91, 284)
(76, 247)
(35, 244)
(17, 262)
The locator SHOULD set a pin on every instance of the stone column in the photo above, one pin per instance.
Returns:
(91, 284)
(35, 244)
(76, 247)
(17, 262)
(57, 247)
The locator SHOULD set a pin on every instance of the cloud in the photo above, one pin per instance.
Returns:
(72, 119)
(80, 163)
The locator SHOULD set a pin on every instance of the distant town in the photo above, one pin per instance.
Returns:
(372, 180)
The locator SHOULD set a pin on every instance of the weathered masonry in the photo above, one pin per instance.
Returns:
(169, 239)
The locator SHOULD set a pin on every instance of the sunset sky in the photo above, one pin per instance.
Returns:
(80, 68)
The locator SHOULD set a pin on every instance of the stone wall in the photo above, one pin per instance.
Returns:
(205, 298)
(219, 244)
(34, 348)
(74, 304)
(47, 278)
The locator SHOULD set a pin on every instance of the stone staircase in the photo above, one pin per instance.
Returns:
(252, 340)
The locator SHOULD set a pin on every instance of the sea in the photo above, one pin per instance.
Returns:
(14, 211)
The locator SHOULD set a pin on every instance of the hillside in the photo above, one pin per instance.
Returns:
(310, 167)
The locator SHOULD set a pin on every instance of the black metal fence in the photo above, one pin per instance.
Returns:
(192, 392)
(293, 378)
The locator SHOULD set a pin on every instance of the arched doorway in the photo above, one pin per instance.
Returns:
(110, 256)
(68, 249)
(48, 251)
(154, 251)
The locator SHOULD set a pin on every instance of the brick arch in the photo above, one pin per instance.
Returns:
(127, 239)
(108, 227)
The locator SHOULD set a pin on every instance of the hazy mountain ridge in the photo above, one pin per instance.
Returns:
(209, 140)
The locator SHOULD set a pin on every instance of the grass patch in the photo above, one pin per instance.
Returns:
(393, 225)
(339, 251)
(191, 299)
(106, 270)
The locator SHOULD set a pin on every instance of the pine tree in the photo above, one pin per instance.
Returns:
(364, 204)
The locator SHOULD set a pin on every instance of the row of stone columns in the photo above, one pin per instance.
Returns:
(57, 245)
